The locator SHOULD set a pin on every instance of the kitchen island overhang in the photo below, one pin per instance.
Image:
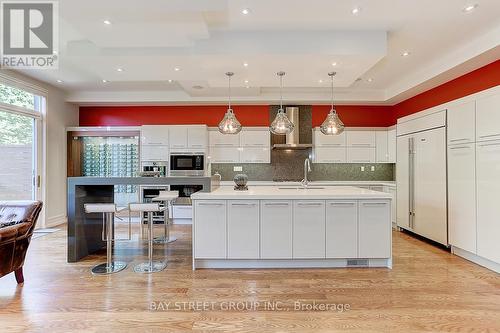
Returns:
(285, 227)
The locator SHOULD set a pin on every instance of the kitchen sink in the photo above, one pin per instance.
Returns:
(301, 188)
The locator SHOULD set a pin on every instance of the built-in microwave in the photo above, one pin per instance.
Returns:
(187, 164)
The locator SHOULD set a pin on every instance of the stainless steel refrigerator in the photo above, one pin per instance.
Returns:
(421, 179)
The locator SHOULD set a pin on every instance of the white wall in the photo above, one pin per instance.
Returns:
(59, 115)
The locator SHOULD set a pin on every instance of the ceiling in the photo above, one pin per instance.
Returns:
(203, 39)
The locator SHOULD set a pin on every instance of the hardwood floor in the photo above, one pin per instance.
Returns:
(428, 290)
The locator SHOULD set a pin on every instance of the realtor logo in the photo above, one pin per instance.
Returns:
(29, 33)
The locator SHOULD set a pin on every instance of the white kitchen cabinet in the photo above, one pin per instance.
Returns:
(330, 155)
(322, 140)
(197, 137)
(403, 182)
(461, 121)
(154, 153)
(462, 196)
(255, 138)
(243, 229)
(309, 229)
(217, 139)
(224, 155)
(394, 203)
(178, 137)
(488, 118)
(361, 155)
(488, 207)
(210, 229)
(182, 212)
(374, 233)
(276, 229)
(255, 155)
(382, 147)
(391, 145)
(359, 138)
(341, 229)
(154, 135)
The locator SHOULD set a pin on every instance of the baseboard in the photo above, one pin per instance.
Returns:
(476, 259)
(53, 221)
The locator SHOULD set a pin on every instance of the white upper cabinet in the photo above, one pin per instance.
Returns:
(359, 138)
(382, 151)
(197, 137)
(178, 137)
(330, 155)
(154, 135)
(361, 155)
(217, 139)
(461, 123)
(391, 145)
(488, 118)
(224, 154)
(322, 140)
(154, 153)
(255, 155)
(255, 137)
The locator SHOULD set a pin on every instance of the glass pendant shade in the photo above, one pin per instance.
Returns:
(229, 124)
(281, 125)
(332, 124)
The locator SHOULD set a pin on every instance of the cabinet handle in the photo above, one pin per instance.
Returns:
(363, 161)
(374, 203)
(330, 145)
(490, 144)
(196, 145)
(489, 135)
(455, 140)
(223, 145)
(314, 204)
(342, 203)
(243, 204)
(224, 161)
(210, 204)
(178, 146)
(277, 204)
(330, 161)
(464, 147)
(360, 144)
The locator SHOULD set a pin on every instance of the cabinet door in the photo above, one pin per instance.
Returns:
(276, 229)
(394, 203)
(391, 145)
(403, 182)
(255, 155)
(374, 233)
(488, 207)
(178, 137)
(210, 229)
(462, 196)
(360, 138)
(154, 153)
(382, 148)
(488, 118)
(322, 140)
(330, 155)
(197, 137)
(154, 135)
(243, 229)
(217, 139)
(309, 229)
(255, 138)
(341, 229)
(360, 155)
(461, 121)
(224, 155)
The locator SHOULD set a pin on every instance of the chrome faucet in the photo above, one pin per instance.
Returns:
(307, 169)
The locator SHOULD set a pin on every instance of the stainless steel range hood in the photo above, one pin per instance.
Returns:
(293, 139)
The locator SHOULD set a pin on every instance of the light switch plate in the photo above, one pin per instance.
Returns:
(237, 168)
(362, 168)
(372, 168)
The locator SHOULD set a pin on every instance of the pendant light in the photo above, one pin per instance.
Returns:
(332, 124)
(281, 125)
(229, 124)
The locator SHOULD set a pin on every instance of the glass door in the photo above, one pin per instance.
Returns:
(18, 157)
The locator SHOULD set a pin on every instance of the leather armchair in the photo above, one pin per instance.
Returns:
(17, 222)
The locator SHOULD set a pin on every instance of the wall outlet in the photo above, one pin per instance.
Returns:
(237, 168)
(362, 168)
(372, 168)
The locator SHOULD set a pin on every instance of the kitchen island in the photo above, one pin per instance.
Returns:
(284, 227)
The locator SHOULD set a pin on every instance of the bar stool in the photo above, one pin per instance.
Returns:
(166, 197)
(150, 266)
(108, 211)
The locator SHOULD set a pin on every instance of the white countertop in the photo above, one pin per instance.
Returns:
(316, 183)
(274, 192)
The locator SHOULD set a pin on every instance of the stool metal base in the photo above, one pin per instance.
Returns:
(104, 269)
(163, 240)
(144, 267)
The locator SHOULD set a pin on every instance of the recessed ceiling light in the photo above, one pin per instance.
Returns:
(246, 81)
(170, 81)
(177, 69)
(320, 81)
(59, 81)
(245, 64)
(119, 69)
(245, 11)
(370, 79)
(334, 63)
(405, 54)
(470, 8)
(107, 22)
(356, 10)
(104, 81)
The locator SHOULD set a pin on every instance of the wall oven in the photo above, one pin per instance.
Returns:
(187, 164)
(154, 169)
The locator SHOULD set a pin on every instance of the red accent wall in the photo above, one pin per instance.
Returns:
(480, 79)
(356, 115)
